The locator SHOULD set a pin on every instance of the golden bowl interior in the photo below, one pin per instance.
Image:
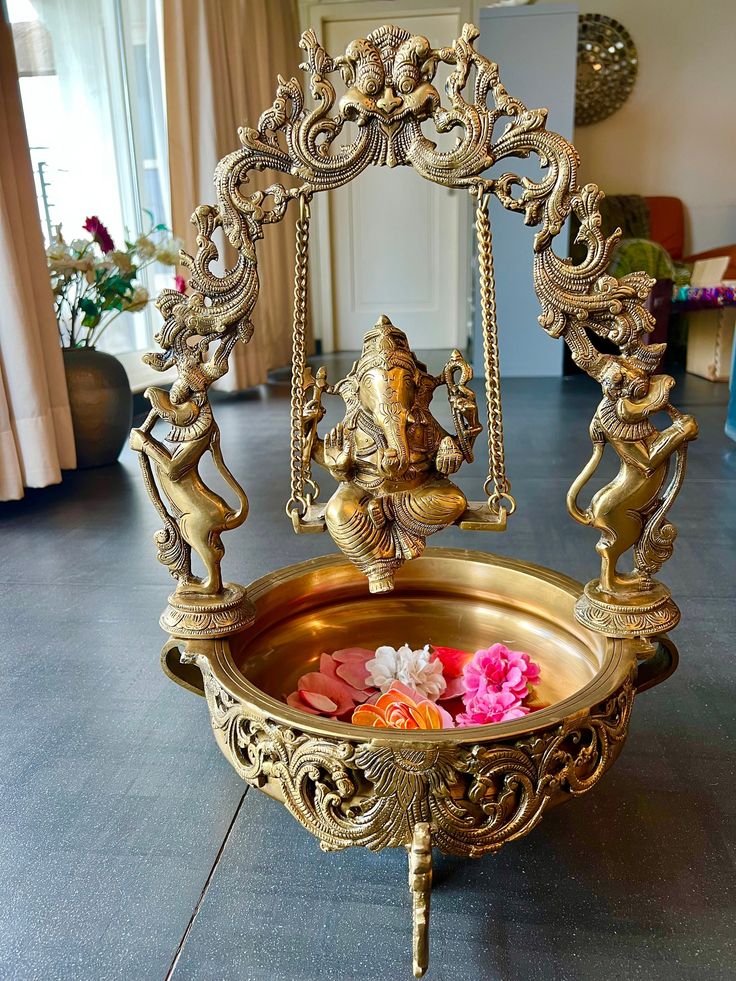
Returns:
(449, 597)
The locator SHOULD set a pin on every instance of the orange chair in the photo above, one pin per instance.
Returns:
(667, 227)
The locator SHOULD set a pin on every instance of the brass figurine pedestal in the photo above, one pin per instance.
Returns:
(645, 614)
(191, 615)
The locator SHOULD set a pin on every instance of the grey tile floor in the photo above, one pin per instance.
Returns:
(128, 849)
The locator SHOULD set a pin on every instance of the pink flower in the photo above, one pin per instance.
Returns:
(492, 706)
(496, 680)
(318, 694)
(99, 233)
(180, 284)
(331, 668)
(499, 669)
(324, 692)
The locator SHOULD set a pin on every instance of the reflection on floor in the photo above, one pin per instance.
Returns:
(121, 820)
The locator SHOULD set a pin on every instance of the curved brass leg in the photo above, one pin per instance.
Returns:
(420, 884)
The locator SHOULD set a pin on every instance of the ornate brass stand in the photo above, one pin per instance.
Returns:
(465, 791)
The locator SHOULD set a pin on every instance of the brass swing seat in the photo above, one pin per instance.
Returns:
(466, 791)
(478, 516)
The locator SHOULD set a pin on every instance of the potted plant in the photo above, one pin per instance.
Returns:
(93, 283)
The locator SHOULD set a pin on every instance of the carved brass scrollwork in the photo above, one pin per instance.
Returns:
(390, 94)
(475, 796)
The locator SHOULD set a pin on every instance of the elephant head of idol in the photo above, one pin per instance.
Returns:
(384, 393)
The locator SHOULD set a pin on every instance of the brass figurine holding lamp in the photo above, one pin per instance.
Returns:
(468, 789)
(391, 458)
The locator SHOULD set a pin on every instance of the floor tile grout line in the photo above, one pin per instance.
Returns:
(198, 905)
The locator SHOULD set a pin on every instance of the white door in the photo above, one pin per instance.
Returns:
(397, 242)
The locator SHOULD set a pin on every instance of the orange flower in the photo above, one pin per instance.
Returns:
(401, 708)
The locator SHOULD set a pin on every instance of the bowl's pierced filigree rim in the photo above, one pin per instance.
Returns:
(373, 792)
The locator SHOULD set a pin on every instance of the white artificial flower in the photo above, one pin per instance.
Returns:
(413, 668)
(58, 250)
(63, 265)
(145, 247)
(168, 251)
(138, 300)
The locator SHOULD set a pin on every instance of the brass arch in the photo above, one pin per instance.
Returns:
(389, 93)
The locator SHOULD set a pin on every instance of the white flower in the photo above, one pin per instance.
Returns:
(138, 300)
(58, 250)
(413, 668)
(145, 247)
(168, 252)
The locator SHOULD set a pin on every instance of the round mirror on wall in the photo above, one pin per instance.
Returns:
(607, 65)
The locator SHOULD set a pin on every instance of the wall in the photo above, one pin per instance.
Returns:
(536, 46)
(676, 133)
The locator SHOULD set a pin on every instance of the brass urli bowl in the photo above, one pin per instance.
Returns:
(465, 791)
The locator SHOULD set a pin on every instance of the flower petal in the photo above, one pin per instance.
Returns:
(455, 688)
(295, 701)
(399, 715)
(322, 703)
(447, 720)
(453, 660)
(354, 674)
(351, 667)
(426, 715)
(368, 715)
(337, 691)
(329, 667)
(516, 712)
(401, 693)
(350, 653)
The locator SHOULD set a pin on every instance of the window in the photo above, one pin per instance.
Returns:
(93, 97)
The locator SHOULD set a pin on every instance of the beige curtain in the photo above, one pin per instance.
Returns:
(222, 60)
(36, 436)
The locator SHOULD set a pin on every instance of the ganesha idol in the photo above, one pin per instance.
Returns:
(391, 458)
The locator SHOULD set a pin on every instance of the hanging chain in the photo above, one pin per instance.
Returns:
(497, 486)
(303, 488)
